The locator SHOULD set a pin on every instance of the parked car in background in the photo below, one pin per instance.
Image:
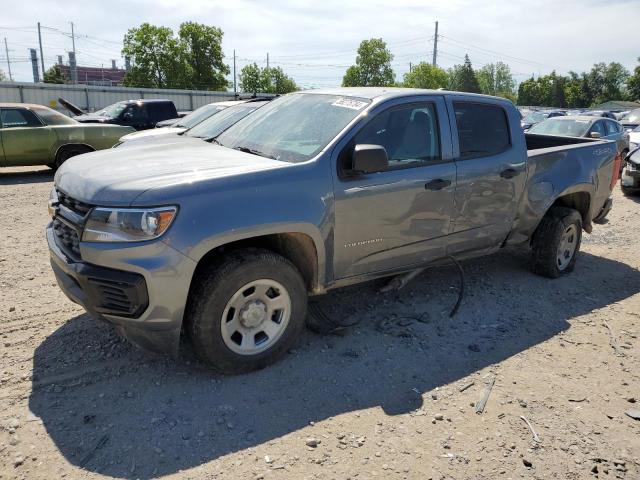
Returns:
(631, 120)
(195, 118)
(585, 126)
(316, 190)
(634, 138)
(630, 180)
(538, 116)
(139, 114)
(38, 135)
(598, 113)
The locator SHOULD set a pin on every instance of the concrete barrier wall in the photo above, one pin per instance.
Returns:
(92, 98)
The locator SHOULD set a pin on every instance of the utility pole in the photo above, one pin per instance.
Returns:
(267, 60)
(235, 85)
(73, 68)
(435, 47)
(41, 54)
(410, 67)
(6, 49)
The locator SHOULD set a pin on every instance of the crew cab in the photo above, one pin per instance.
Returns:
(140, 114)
(223, 241)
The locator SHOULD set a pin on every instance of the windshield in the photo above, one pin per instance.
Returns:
(197, 116)
(214, 126)
(534, 117)
(51, 117)
(632, 116)
(566, 128)
(293, 128)
(112, 110)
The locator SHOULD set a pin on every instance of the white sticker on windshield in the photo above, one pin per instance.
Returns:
(351, 103)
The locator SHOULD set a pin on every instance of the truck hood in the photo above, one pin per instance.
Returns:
(153, 132)
(91, 118)
(116, 177)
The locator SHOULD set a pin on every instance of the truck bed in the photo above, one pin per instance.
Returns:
(555, 166)
(537, 142)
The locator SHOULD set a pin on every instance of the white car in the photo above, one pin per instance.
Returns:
(634, 138)
(188, 121)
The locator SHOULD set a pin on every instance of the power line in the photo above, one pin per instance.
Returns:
(501, 54)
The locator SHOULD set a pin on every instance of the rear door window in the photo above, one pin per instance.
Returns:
(483, 129)
(18, 117)
(612, 128)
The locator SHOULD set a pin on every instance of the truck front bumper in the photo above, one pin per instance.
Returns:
(141, 289)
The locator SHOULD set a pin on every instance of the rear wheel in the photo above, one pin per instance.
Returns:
(68, 151)
(556, 242)
(247, 311)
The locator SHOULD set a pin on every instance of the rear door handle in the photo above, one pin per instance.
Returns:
(437, 184)
(509, 173)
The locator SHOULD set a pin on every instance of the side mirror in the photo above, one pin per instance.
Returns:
(369, 158)
(127, 116)
(595, 135)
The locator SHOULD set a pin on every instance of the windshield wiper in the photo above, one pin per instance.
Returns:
(255, 152)
(212, 140)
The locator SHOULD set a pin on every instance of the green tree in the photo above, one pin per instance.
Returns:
(3, 77)
(193, 59)
(55, 75)
(254, 79)
(280, 82)
(157, 56)
(373, 66)
(633, 84)
(201, 45)
(425, 75)
(607, 82)
(496, 79)
(463, 78)
(251, 79)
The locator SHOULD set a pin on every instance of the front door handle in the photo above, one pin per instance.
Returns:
(437, 184)
(509, 173)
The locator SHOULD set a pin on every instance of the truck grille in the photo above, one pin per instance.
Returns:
(74, 205)
(67, 238)
(68, 223)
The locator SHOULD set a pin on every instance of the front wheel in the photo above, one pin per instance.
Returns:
(627, 192)
(556, 242)
(247, 311)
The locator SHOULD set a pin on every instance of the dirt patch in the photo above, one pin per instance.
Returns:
(393, 396)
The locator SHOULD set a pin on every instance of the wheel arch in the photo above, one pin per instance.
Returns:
(580, 201)
(61, 147)
(297, 247)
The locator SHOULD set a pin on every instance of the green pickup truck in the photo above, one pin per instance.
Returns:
(37, 135)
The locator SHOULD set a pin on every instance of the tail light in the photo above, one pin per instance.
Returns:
(617, 162)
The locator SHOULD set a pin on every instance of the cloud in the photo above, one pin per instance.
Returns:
(314, 41)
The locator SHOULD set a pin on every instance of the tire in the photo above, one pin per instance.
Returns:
(222, 311)
(66, 152)
(549, 238)
(627, 192)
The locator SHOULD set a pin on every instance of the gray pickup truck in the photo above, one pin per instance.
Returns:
(223, 240)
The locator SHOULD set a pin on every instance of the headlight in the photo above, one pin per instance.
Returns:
(127, 224)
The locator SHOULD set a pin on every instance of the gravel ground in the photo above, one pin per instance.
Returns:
(392, 396)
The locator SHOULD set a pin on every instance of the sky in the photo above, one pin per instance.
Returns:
(314, 42)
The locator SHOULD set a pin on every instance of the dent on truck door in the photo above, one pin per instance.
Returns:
(491, 166)
(397, 216)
